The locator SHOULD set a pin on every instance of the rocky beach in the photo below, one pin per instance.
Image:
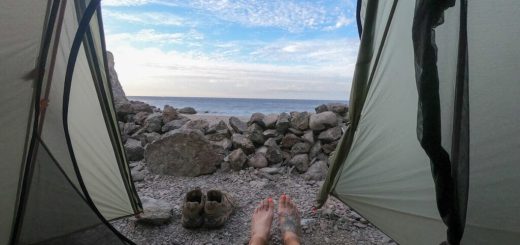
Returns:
(174, 150)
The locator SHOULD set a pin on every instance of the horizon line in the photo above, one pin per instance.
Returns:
(204, 97)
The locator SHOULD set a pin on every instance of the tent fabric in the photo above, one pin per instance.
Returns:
(55, 92)
(380, 168)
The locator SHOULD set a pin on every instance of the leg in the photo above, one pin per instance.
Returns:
(261, 222)
(289, 220)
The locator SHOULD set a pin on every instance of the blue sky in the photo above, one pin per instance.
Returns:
(233, 48)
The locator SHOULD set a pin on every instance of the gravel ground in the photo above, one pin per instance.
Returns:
(335, 223)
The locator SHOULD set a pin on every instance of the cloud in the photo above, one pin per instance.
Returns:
(153, 37)
(151, 71)
(291, 15)
(147, 18)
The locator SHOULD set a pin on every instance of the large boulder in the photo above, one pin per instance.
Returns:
(236, 159)
(274, 154)
(223, 146)
(308, 136)
(134, 150)
(338, 108)
(182, 153)
(139, 106)
(300, 120)
(175, 124)
(283, 122)
(169, 114)
(300, 147)
(321, 108)
(237, 125)
(187, 110)
(153, 123)
(330, 135)
(317, 171)
(315, 150)
(321, 121)
(130, 128)
(289, 140)
(255, 133)
(300, 162)
(270, 133)
(215, 127)
(270, 121)
(242, 142)
(155, 212)
(140, 117)
(199, 124)
(257, 118)
(257, 160)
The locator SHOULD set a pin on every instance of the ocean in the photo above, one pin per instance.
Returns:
(235, 106)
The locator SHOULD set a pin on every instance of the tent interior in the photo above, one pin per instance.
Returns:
(431, 153)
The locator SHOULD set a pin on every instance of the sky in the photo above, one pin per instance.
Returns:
(287, 49)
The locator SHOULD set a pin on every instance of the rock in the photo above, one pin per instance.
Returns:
(289, 140)
(199, 124)
(182, 153)
(300, 162)
(219, 135)
(270, 133)
(330, 134)
(213, 128)
(137, 176)
(130, 128)
(329, 148)
(241, 141)
(261, 149)
(283, 122)
(320, 121)
(169, 114)
(117, 90)
(187, 110)
(257, 184)
(155, 212)
(321, 108)
(274, 154)
(270, 121)
(257, 118)
(338, 108)
(300, 120)
(140, 117)
(175, 124)
(257, 161)
(255, 133)
(315, 150)
(222, 146)
(300, 147)
(296, 132)
(270, 170)
(153, 123)
(236, 159)
(317, 171)
(139, 106)
(134, 150)
(147, 138)
(237, 125)
(271, 142)
(308, 137)
(359, 225)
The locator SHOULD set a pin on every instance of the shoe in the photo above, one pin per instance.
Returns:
(218, 208)
(193, 208)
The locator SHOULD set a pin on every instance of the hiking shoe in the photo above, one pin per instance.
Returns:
(192, 209)
(217, 209)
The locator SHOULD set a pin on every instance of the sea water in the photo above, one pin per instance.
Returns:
(235, 106)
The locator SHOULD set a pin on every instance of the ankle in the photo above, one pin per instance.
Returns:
(290, 238)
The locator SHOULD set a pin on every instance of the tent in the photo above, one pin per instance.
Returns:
(63, 173)
(432, 152)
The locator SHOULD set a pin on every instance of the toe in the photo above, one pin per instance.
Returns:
(265, 204)
(282, 202)
(271, 203)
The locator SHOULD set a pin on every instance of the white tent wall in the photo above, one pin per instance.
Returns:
(21, 29)
(493, 215)
(387, 177)
(78, 129)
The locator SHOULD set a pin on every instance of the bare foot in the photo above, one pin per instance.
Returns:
(289, 220)
(261, 222)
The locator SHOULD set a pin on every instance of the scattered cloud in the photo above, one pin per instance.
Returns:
(341, 22)
(153, 37)
(147, 18)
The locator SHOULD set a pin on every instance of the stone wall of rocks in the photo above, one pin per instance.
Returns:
(172, 144)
